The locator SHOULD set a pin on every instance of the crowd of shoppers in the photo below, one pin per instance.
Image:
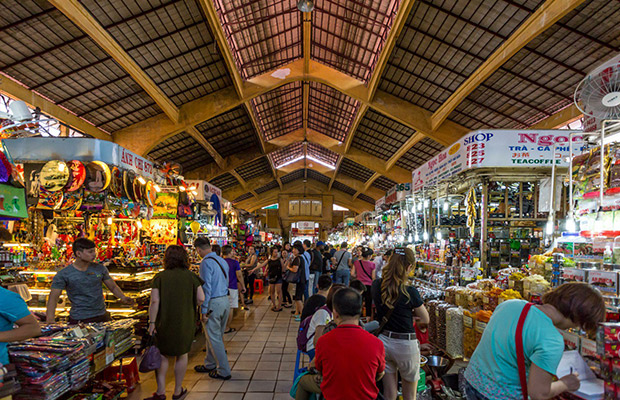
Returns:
(335, 293)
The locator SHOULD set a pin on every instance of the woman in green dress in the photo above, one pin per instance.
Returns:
(175, 294)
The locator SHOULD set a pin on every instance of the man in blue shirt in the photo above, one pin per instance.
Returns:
(14, 311)
(307, 260)
(214, 310)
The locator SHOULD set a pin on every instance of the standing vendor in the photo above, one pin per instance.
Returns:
(82, 281)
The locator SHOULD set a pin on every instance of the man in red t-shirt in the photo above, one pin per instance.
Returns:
(349, 359)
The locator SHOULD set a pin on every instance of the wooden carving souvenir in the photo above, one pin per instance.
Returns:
(116, 185)
(98, 176)
(72, 201)
(137, 189)
(49, 200)
(151, 193)
(78, 175)
(128, 178)
(54, 176)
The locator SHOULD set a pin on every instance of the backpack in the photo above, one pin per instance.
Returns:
(304, 327)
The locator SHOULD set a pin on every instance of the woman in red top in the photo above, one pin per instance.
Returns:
(364, 270)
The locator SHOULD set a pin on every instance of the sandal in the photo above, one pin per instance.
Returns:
(156, 396)
(216, 375)
(288, 305)
(276, 309)
(203, 369)
(181, 396)
(230, 330)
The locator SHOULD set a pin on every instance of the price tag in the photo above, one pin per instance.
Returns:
(468, 322)
(485, 300)
(480, 326)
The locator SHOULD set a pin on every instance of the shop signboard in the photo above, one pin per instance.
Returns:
(379, 203)
(498, 149)
(305, 227)
(211, 194)
(41, 149)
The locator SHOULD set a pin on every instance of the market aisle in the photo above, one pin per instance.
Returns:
(261, 353)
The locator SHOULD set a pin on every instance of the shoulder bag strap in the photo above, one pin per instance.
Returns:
(384, 321)
(363, 268)
(218, 263)
(520, 353)
(340, 259)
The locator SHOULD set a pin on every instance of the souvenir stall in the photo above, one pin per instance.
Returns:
(63, 359)
(209, 218)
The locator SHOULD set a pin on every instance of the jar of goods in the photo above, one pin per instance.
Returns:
(515, 282)
(432, 325)
(475, 300)
(441, 324)
(454, 327)
(462, 297)
(450, 294)
(469, 335)
(482, 318)
(491, 299)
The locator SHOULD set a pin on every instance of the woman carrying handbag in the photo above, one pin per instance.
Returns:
(397, 305)
(176, 292)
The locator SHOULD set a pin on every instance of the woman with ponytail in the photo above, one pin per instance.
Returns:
(398, 304)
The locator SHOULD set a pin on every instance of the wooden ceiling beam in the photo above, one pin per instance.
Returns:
(15, 90)
(243, 183)
(368, 184)
(397, 26)
(559, 119)
(297, 188)
(544, 17)
(412, 141)
(216, 28)
(307, 40)
(73, 10)
(194, 133)
(197, 111)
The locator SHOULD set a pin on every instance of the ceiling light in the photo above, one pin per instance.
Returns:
(321, 162)
(305, 5)
(142, 180)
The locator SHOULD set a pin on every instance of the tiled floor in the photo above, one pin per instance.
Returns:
(262, 357)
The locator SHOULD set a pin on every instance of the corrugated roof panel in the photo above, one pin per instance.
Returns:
(255, 168)
(182, 149)
(330, 112)
(231, 132)
(263, 34)
(349, 36)
(225, 181)
(343, 188)
(279, 111)
(379, 135)
(355, 170)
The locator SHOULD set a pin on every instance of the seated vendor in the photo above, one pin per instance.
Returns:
(82, 281)
(16, 322)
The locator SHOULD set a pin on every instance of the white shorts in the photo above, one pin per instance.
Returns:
(233, 296)
(402, 356)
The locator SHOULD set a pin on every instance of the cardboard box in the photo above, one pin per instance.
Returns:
(572, 341)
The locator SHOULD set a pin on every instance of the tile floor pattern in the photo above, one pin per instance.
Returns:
(261, 354)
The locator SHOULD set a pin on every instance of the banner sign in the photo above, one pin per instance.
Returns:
(379, 203)
(12, 202)
(498, 149)
(42, 149)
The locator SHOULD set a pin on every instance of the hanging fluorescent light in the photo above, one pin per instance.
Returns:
(549, 227)
(109, 221)
(425, 235)
(571, 226)
(446, 206)
(417, 237)
(438, 235)
(409, 238)
(291, 161)
(157, 188)
(141, 180)
(420, 206)
(305, 5)
(427, 203)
